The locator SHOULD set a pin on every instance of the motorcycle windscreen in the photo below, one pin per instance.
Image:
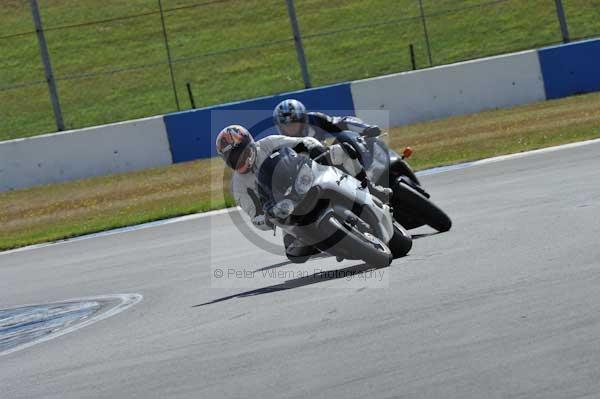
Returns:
(277, 174)
(378, 169)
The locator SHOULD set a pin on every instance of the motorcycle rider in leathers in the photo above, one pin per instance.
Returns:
(241, 153)
(292, 119)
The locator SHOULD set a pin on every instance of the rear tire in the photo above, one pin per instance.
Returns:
(411, 201)
(401, 242)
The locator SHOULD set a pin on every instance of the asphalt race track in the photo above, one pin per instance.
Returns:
(505, 305)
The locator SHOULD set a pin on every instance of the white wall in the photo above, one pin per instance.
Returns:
(100, 150)
(409, 97)
(456, 89)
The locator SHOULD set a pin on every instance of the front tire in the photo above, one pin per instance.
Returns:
(349, 243)
(413, 202)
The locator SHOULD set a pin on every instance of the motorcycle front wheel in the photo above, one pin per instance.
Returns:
(348, 242)
(401, 242)
(414, 203)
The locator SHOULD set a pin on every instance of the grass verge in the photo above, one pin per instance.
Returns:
(65, 210)
(218, 48)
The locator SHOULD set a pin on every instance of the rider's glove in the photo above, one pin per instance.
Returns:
(261, 222)
(350, 150)
(371, 131)
(364, 179)
(311, 143)
(314, 146)
(337, 154)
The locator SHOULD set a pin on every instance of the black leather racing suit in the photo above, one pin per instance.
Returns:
(321, 126)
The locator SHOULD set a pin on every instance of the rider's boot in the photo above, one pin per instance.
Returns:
(382, 193)
(296, 251)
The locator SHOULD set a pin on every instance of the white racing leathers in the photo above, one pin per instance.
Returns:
(244, 186)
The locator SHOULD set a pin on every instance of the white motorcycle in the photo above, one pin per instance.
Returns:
(327, 209)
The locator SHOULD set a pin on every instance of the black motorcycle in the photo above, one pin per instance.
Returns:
(412, 205)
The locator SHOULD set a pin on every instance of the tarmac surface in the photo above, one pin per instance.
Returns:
(505, 305)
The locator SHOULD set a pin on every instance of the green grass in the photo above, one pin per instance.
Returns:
(221, 77)
(65, 210)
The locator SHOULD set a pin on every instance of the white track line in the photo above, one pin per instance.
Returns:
(508, 157)
(125, 302)
(123, 230)
(427, 172)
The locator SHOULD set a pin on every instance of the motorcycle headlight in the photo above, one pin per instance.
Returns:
(304, 180)
(283, 208)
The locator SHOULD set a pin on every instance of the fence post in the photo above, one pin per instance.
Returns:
(298, 43)
(413, 61)
(169, 59)
(564, 28)
(191, 95)
(45, 55)
(425, 32)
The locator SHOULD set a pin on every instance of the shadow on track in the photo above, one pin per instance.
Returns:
(307, 280)
(315, 278)
(424, 235)
(324, 255)
(287, 262)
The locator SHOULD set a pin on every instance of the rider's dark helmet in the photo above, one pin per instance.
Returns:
(291, 118)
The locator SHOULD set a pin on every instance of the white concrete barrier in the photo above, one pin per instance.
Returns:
(455, 89)
(77, 154)
(391, 100)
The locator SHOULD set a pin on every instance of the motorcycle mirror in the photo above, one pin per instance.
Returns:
(407, 152)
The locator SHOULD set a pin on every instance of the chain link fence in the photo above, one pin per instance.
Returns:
(122, 60)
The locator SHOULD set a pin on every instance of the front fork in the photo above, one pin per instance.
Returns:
(401, 168)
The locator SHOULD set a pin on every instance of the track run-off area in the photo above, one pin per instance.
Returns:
(506, 304)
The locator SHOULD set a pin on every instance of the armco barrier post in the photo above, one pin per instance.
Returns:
(425, 32)
(169, 59)
(191, 95)
(298, 43)
(564, 28)
(37, 20)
